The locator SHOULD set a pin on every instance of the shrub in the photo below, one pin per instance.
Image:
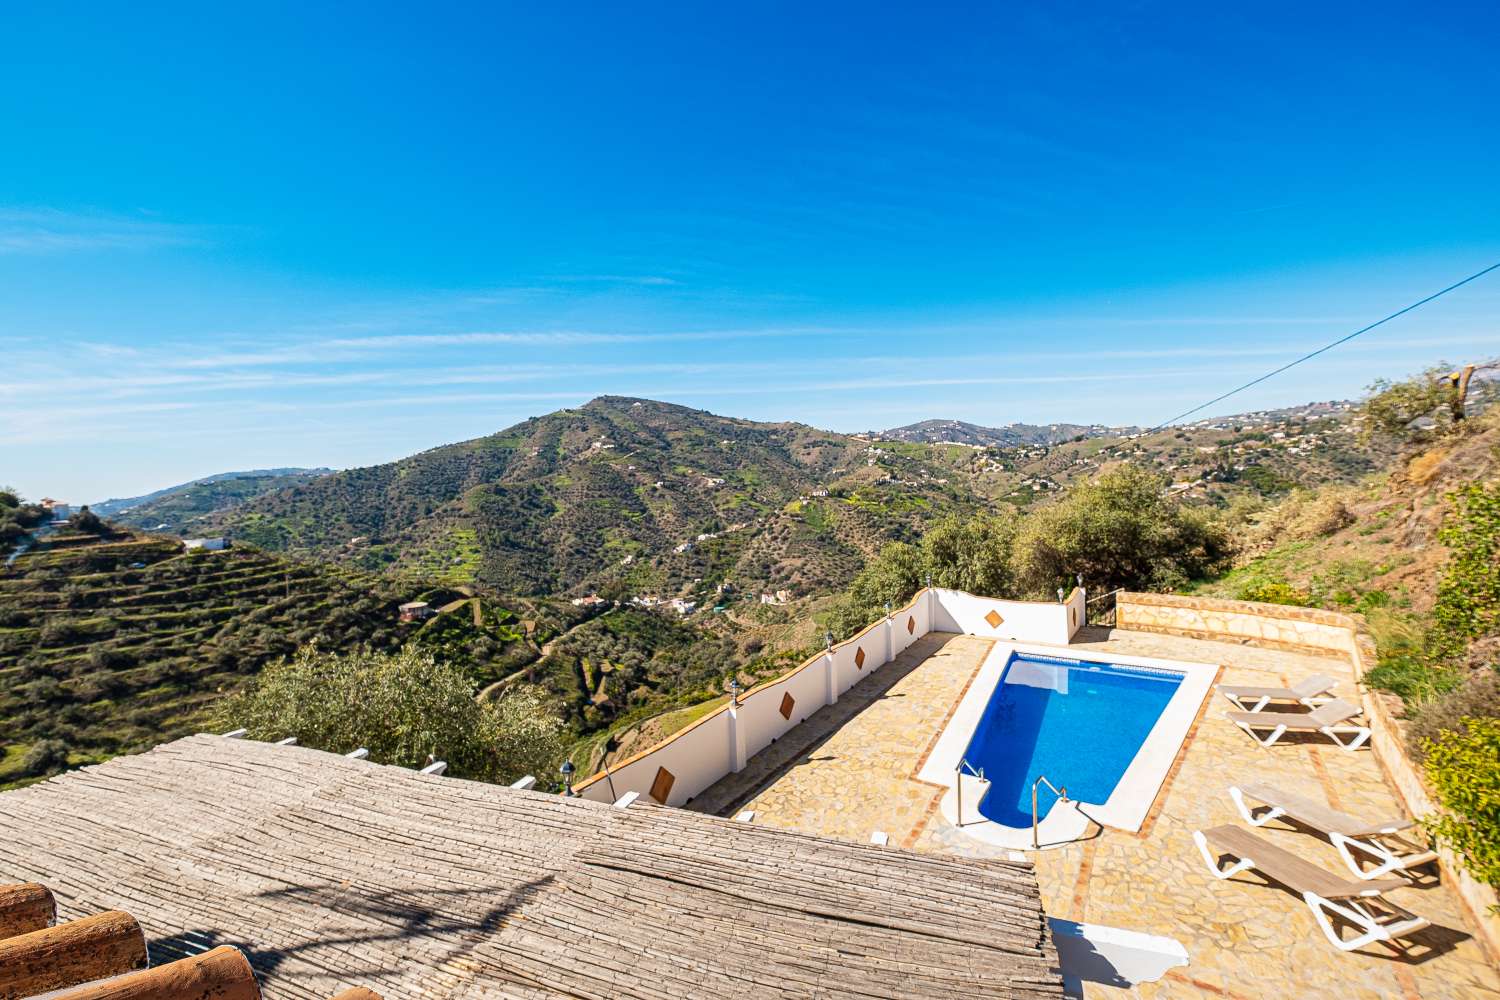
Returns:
(403, 707)
(1276, 592)
(1468, 598)
(1463, 765)
(44, 758)
(1477, 696)
(1416, 679)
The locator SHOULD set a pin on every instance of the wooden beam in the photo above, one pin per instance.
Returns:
(221, 974)
(25, 907)
(79, 951)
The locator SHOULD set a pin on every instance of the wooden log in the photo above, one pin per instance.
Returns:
(221, 974)
(357, 993)
(25, 907)
(79, 951)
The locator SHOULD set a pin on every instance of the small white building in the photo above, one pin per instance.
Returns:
(206, 544)
(684, 607)
(60, 511)
(591, 601)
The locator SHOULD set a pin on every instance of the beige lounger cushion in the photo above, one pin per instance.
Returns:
(1331, 714)
(1316, 684)
(1290, 870)
(1319, 816)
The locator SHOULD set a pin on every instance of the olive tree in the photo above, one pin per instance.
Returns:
(1429, 402)
(403, 706)
(972, 554)
(1119, 529)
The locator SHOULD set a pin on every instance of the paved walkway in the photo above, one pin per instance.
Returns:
(829, 776)
(854, 773)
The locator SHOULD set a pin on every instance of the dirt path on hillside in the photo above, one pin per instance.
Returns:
(546, 650)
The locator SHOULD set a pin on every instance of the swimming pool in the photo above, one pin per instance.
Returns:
(1080, 723)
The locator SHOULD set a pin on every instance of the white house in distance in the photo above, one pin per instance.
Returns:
(683, 607)
(206, 544)
(60, 511)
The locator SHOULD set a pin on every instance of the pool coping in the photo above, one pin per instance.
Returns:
(1135, 793)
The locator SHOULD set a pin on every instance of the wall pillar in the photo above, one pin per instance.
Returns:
(737, 754)
(831, 691)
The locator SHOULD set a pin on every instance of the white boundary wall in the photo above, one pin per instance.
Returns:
(723, 741)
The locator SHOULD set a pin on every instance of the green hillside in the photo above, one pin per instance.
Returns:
(615, 495)
(113, 644)
(182, 509)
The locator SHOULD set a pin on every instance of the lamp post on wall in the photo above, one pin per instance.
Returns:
(828, 639)
(566, 771)
(1060, 597)
(734, 692)
(887, 610)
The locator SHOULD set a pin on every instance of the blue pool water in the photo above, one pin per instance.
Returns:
(1079, 723)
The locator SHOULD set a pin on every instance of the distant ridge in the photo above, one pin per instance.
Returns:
(197, 498)
(1009, 436)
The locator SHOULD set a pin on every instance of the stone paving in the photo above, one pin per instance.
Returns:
(849, 771)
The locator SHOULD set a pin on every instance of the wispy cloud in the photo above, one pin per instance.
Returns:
(51, 231)
(341, 348)
(644, 280)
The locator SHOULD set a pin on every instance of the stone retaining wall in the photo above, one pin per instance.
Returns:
(1278, 626)
(1327, 633)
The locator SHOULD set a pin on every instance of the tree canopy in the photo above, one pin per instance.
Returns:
(404, 707)
(1118, 530)
(1414, 406)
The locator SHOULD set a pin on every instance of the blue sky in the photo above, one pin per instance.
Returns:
(236, 238)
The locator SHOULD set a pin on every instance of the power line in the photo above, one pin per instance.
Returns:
(1326, 347)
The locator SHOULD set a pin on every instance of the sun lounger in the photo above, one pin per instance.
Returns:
(1358, 902)
(1326, 719)
(1312, 692)
(1381, 841)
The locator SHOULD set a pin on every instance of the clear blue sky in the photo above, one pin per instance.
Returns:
(234, 238)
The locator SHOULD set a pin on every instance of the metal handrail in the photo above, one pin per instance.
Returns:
(1106, 617)
(958, 784)
(1062, 796)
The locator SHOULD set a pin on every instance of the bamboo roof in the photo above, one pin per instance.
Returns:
(327, 871)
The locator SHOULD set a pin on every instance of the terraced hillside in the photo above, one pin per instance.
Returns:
(109, 645)
(634, 497)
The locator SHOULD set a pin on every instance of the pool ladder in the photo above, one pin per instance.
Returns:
(958, 784)
(1062, 796)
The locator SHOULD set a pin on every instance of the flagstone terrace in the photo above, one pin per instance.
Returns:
(849, 771)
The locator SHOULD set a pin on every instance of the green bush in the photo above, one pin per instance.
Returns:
(1276, 592)
(1415, 678)
(1468, 598)
(44, 758)
(1477, 696)
(1463, 765)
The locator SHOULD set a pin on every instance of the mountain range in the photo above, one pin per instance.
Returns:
(1009, 436)
(633, 497)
